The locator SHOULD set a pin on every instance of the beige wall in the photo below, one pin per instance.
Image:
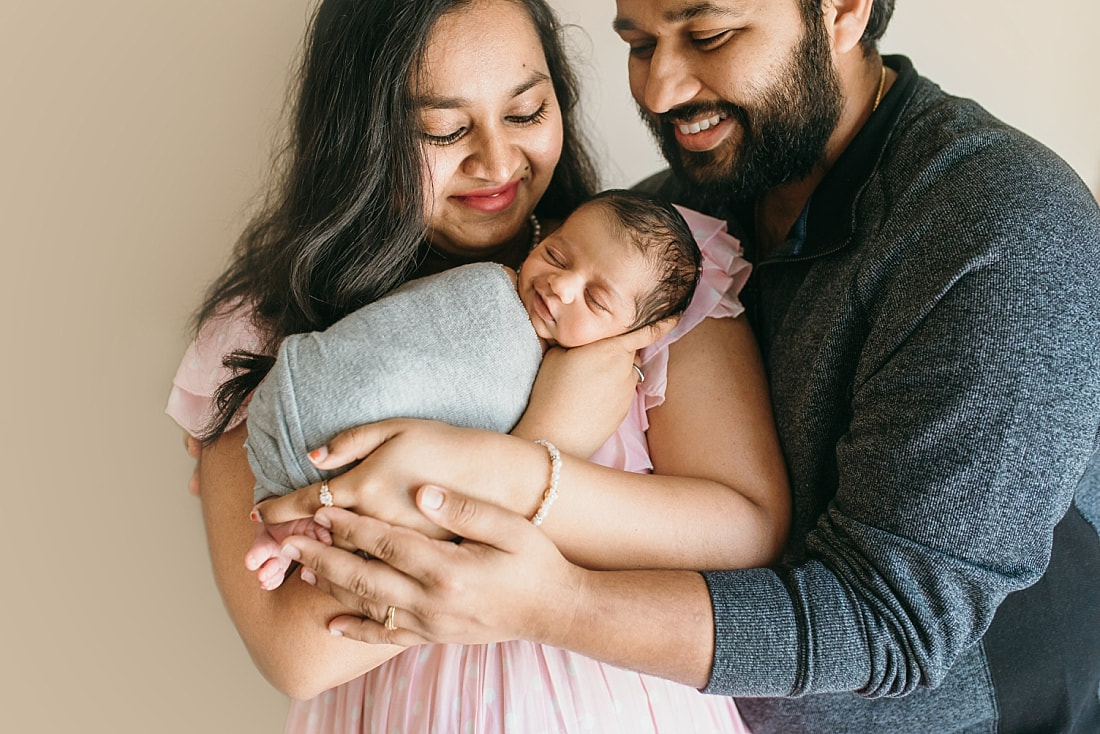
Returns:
(133, 134)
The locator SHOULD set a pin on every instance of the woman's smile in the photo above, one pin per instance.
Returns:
(490, 200)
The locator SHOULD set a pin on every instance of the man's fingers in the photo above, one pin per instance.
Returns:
(471, 519)
(375, 633)
(368, 587)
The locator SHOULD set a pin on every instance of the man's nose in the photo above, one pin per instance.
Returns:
(671, 81)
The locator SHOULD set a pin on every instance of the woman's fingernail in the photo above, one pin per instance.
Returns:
(335, 632)
(291, 552)
(309, 577)
(255, 515)
(318, 454)
(431, 498)
(323, 521)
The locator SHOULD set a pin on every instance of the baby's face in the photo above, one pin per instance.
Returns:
(582, 282)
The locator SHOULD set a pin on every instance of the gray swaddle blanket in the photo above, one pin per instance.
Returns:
(457, 347)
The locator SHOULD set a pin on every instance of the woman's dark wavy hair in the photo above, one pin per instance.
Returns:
(344, 223)
(881, 12)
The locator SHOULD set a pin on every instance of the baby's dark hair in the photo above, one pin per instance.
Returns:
(661, 234)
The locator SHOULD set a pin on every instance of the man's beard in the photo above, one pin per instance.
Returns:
(783, 135)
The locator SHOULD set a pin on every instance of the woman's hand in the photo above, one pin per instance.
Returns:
(511, 583)
(396, 457)
(581, 395)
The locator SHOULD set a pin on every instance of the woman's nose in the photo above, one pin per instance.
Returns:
(670, 81)
(493, 158)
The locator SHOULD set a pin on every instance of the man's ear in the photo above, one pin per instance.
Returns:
(845, 22)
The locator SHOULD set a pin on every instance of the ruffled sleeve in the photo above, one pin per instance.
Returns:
(724, 273)
(191, 400)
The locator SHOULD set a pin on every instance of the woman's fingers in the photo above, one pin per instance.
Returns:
(648, 335)
(353, 444)
(296, 505)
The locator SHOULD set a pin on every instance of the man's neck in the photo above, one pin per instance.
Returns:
(777, 209)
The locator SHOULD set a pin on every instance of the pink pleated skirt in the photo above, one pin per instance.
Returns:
(515, 687)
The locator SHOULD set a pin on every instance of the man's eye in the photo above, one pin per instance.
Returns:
(641, 50)
(711, 40)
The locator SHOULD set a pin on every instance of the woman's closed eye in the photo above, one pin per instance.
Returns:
(532, 119)
(445, 139)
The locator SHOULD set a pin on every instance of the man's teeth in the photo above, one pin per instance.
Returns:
(695, 127)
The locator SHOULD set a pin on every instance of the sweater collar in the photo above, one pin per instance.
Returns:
(827, 221)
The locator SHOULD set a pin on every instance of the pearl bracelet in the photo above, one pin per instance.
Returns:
(551, 492)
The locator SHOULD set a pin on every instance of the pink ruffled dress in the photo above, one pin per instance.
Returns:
(517, 686)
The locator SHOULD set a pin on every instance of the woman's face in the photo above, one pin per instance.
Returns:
(491, 128)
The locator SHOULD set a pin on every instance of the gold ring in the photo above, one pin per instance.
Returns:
(326, 495)
(389, 623)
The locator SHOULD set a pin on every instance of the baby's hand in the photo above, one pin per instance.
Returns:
(264, 557)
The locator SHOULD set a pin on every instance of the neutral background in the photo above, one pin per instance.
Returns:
(133, 137)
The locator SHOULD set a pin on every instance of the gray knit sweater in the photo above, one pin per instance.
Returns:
(932, 336)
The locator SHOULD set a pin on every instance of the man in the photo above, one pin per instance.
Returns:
(927, 301)
(926, 296)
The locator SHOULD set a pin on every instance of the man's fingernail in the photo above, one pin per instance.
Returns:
(318, 454)
(323, 521)
(431, 498)
(335, 632)
(255, 515)
(309, 577)
(291, 552)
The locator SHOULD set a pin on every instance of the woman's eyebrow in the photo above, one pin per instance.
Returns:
(440, 102)
(680, 15)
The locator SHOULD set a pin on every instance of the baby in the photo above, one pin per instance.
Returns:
(464, 346)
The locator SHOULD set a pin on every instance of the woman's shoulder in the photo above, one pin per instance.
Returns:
(201, 372)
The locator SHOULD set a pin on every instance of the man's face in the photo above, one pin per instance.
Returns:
(741, 95)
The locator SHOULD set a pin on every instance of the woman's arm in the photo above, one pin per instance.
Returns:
(285, 630)
(581, 395)
(720, 500)
(718, 497)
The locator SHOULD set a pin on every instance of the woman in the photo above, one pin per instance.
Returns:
(426, 134)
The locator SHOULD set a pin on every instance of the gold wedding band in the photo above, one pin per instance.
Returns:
(326, 495)
(389, 623)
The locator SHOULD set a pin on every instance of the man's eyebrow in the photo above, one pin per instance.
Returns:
(680, 15)
(439, 102)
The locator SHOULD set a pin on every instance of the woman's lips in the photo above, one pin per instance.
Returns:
(495, 199)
